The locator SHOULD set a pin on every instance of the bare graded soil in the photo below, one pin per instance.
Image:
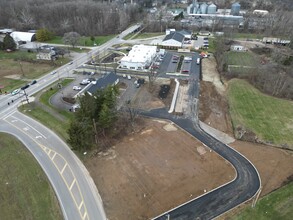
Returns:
(154, 170)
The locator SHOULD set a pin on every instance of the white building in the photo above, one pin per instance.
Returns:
(23, 36)
(169, 31)
(173, 40)
(139, 58)
(237, 48)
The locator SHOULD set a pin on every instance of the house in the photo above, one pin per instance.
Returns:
(173, 40)
(108, 80)
(187, 34)
(237, 48)
(139, 57)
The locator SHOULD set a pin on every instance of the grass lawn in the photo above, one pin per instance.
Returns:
(128, 36)
(45, 97)
(148, 35)
(271, 119)
(241, 58)
(22, 72)
(84, 41)
(276, 205)
(46, 119)
(24, 189)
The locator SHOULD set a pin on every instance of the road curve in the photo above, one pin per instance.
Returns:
(75, 189)
(214, 203)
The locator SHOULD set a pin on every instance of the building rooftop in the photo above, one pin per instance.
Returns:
(102, 83)
(140, 53)
(176, 36)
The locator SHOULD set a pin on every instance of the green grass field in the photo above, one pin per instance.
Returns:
(271, 119)
(241, 58)
(84, 41)
(46, 119)
(24, 189)
(148, 35)
(276, 205)
(22, 72)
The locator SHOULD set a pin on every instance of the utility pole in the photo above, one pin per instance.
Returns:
(26, 96)
(96, 133)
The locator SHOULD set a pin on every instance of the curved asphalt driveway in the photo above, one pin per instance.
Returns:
(214, 203)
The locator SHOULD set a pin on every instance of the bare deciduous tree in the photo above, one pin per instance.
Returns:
(71, 38)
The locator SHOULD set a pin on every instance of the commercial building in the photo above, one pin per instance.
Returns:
(173, 40)
(140, 57)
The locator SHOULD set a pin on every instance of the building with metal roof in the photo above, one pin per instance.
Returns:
(19, 36)
(173, 40)
(108, 80)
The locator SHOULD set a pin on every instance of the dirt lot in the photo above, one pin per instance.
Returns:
(139, 178)
(154, 170)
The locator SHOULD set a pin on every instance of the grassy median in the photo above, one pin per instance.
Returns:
(271, 119)
(24, 189)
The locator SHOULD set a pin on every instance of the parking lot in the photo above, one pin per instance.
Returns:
(168, 66)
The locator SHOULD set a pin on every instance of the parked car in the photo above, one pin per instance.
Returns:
(76, 88)
(124, 75)
(16, 91)
(198, 61)
(33, 82)
(185, 71)
(129, 77)
(84, 82)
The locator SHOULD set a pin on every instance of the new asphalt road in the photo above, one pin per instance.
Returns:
(75, 189)
(214, 203)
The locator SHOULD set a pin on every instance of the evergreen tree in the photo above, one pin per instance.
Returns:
(8, 43)
(96, 116)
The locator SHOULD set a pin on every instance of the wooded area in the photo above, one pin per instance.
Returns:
(88, 18)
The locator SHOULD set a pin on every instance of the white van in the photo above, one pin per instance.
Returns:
(198, 61)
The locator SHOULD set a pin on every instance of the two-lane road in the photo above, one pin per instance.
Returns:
(74, 187)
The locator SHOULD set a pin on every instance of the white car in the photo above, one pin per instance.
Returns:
(129, 77)
(16, 91)
(53, 72)
(84, 82)
(77, 88)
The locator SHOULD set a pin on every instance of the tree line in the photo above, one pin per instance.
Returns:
(275, 78)
(88, 18)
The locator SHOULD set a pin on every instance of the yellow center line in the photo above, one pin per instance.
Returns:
(45, 149)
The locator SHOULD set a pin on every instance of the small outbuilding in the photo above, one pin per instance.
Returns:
(237, 48)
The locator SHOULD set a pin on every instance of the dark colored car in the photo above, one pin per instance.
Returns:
(25, 87)
(33, 82)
